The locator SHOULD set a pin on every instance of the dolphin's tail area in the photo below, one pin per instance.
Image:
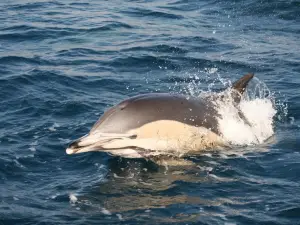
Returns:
(240, 85)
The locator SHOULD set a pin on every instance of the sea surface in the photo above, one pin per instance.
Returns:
(63, 63)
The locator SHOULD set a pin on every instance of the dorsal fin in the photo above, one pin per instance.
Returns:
(240, 86)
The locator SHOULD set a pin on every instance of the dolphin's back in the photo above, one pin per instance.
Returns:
(140, 110)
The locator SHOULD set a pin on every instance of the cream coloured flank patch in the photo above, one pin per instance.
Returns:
(165, 136)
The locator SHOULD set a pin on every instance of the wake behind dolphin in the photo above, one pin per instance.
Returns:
(166, 124)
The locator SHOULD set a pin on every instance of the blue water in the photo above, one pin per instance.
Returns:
(63, 63)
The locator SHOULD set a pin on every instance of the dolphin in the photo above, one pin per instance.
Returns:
(155, 124)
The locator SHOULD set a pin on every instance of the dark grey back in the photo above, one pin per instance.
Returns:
(137, 111)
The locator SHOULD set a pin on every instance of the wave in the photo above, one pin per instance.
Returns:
(33, 33)
(142, 12)
(110, 26)
(34, 5)
(162, 48)
(26, 60)
(291, 212)
(285, 10)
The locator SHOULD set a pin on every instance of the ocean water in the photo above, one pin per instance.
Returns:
(63, 63)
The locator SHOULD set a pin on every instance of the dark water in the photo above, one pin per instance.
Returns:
(62, 63)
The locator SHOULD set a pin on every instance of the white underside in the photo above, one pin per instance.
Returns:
(126, 153)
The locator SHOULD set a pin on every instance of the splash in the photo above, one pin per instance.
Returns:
(261, 110)
(258, 107)
(254, 127)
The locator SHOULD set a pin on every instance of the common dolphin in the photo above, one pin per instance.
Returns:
(159, 124)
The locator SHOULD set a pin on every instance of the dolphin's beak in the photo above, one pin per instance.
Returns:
(94, 141)
(83, 144)
(73, 148)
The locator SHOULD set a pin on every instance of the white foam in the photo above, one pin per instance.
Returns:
(205, 168)
(258, 110)
(211, 70)
(258, 127)
(119, 216)
(105, 211)
(222, 179)
(32, 146)
(232, 127)
(73, 198)
(33, 149)
(260, 114)
(54, 196)
(35, 143)
(258, 106)
(65, 141)
(53, 127)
